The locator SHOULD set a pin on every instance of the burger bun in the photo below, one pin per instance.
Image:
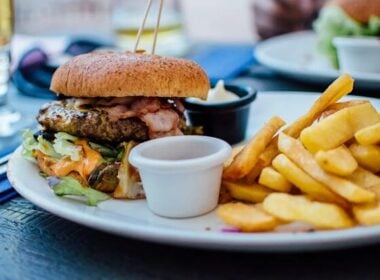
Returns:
(121, 74)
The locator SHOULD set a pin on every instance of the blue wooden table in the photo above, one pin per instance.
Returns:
(35, 244)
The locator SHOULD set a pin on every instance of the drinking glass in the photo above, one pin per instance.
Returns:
(10, 120)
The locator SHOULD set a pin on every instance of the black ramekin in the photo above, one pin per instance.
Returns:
(227, 120)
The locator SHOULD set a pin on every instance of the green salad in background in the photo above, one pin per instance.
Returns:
(335, 22)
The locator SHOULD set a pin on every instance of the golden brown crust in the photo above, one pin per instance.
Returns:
(360, 10)
(119, 74)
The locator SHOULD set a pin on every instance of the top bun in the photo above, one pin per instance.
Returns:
(360, 10)
(120, 74)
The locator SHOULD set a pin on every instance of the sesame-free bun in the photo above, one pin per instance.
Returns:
(360, 10)
(120, 74)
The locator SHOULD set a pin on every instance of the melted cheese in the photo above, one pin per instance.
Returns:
(84, 166)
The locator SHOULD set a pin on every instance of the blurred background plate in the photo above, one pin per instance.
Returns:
(295, 56)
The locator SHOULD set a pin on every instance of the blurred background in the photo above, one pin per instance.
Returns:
(51, 23)
(37, 36)
(211, 20)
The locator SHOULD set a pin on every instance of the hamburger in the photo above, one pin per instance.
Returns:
(110, 101)
(342, 18)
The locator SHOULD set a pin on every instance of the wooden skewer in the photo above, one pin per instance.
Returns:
(142, 26)
(157, 26)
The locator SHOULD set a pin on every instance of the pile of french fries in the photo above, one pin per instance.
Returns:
(320, 171)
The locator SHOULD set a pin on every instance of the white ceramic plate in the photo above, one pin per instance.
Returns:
(295, 55)
(133, 218)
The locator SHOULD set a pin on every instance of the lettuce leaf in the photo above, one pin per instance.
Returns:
(70, 186)
(30, 144)
(63, 145)
(374, 26)
(334, 22)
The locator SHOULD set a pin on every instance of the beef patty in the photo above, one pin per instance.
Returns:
(114, 119)
(93, 124)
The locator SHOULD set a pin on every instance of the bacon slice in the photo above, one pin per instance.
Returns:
(119, 112)
(179, 106)
(161, 118)
(162, 123)
(146, 105)
(116, 101)
(139, 107)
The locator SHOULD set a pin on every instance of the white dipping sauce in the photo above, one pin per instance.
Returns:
(218, 94)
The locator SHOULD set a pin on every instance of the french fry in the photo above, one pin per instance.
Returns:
(342, 86)
(294, 150)
(235, 151)
(247, 158)
(368, 214)
(338, 161)
(362, 116)
(338, 128)
(250, 193)
(293, 208)
(367, 180)
(345, 104)
(247, 218)
(329, 133)
(330, 176)
(368, 135)
(272, 179)
(265, 159)
(336, 90)
(367, 156)
(306, 183)
(335, 107)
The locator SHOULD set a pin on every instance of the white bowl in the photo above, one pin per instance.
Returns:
(181, 175)
(358, 54)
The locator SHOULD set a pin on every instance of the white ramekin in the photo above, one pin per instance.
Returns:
(358, 54)
(181, 175)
